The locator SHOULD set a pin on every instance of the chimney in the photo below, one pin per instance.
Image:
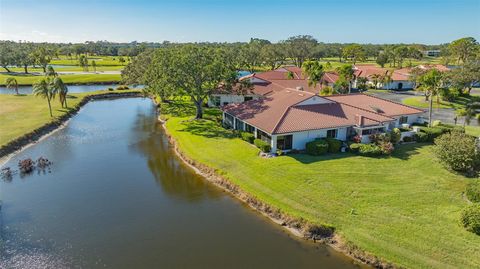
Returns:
(359, 120)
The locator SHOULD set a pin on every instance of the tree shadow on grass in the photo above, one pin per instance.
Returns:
(178, 109)
(206, 128)
(71, 96)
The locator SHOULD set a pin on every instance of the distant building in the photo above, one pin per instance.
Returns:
(432, 53)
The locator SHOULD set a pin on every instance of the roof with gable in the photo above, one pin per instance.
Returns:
(375, 104)
(290, 111)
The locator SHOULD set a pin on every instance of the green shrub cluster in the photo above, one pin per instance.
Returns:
(246, 136)
(458, 151)
(471, 218)
(262, 145)
(355, 147)
(433, 132)
(395, 135)
(369, 150)
(317, 147)
(473, 191)
(334, 145)
(421, 137)
(122, 87)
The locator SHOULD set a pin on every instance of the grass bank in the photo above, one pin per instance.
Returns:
(22, 114)
(404, 208)
(29, 79)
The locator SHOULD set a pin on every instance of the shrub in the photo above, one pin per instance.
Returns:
(379, 138)
(246, 136)
(110, 89)
(280, 152)
(317, 147)
(370, 150)
(436, 123)
(294, 151)
(471, 218)
(473, 191)
(421, 137)
(262, 145)
(355, 147)
(395, 135)
(122, 87)
(357, 139)
(432, 132)
(334, 145)
(387, 148)
(458, 151)
(408, 139)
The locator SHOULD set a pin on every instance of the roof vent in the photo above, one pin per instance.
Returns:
(299, 88)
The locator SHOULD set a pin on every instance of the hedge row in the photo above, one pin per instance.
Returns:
(323, 145)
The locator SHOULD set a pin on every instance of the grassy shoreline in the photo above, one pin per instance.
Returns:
(68, 79)
(403, 208)
(23, 114)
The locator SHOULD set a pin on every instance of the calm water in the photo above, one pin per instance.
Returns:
(117, 197)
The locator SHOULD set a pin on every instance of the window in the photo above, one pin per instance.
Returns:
(238, 124)
(332, 133)
(247, 98)
(264, 136)
(215, 100)
(225, 103)
(228, 120)
(403, 119)
(284, 142)
(373, 131)
(249, 128)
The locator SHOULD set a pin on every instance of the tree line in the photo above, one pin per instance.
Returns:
(198, 70)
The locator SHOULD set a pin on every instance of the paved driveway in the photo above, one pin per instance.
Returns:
(446, 115)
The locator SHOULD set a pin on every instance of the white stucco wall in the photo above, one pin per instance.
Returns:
(406, 85)
(302, 138)
(411, 119)
(230, 98)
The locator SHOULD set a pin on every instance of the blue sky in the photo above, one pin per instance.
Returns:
(364, 21)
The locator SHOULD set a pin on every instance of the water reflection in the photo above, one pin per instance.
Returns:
(175, 178)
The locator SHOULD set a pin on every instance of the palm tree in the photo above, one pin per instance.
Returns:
(314, 71)
(50, 72)
(62, 90)
(376, 78)
(12, 83)
(431, 82)
(44, 90)
(347, 73)
(387, 79)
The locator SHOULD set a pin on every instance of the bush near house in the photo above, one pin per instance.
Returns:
(262, 145)
(369, 150)
(355, 147)
(432, 132)
(334, 145)
(421, 137)
(471, 218)
(408, 139)
(395, 135)
(473, 191)
(246, 136)
(458, 151)
(317, 147)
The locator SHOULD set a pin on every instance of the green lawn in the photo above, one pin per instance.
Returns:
(99, 60)
(70, 79)
(419, 101)
(67, 69)
(473, 130)
(404, 208)
(21, 114)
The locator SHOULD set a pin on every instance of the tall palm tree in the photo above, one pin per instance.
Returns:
(12, 83)
(62, 90)
(347, 73)
(387, 79)
(44, 90)
(431, 82)
(376, 78)
(314, 72)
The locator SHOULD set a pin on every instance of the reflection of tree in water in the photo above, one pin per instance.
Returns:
(175, 178)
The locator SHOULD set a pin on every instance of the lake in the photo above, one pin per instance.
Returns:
(116, 196)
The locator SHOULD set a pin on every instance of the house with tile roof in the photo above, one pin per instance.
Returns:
(290, 118)
(265, 83)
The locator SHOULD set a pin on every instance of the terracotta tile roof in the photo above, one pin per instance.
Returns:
(368, 70)
(324, 116)
(330, 77)
(375, 104)
(265, 113)
(283, 112)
